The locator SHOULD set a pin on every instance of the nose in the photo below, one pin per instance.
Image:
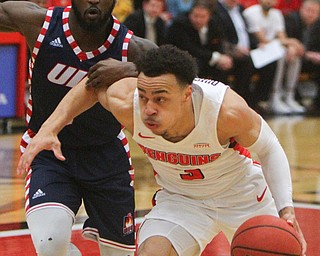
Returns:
(149, 109)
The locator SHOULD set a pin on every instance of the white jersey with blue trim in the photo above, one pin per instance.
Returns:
(198, 166)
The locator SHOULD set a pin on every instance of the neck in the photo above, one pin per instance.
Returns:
(88, 39)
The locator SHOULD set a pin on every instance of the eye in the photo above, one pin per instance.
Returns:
(159, 99)
(142, 98)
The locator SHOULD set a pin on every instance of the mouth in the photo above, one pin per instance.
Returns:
(92, 13)
(150, 125)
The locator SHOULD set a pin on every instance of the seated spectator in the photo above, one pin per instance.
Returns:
(305, 26)
(267, 23)
(149, 22)
(197, 32)
(240, 42)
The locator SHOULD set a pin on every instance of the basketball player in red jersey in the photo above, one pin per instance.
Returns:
(198, 135)
(65, 42)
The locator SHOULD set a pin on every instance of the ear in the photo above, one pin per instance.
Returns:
(188, 92)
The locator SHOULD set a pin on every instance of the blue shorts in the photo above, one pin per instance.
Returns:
(97, 175)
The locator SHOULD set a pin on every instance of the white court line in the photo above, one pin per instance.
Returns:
(22, 232)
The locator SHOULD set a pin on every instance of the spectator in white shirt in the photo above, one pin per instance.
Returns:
(267, 23)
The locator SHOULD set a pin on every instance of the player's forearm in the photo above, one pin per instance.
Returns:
(75, 102)
(275, 166)
(276, 170)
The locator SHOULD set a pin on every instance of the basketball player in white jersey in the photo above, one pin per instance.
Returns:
(198, 135)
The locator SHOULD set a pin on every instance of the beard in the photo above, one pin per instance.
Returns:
(94, 25)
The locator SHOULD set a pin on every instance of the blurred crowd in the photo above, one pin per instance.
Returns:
(223, 34)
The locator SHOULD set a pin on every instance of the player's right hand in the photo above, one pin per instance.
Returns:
(106, 72)
(41, 141)
(288, 215)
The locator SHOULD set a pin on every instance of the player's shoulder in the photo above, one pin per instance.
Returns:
(211, 88)
(233, 107)
(24, 17)
(24, 12)
(23, 9)
(138, 45)
(206, 81)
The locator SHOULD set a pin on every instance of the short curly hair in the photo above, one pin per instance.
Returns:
(168, 59)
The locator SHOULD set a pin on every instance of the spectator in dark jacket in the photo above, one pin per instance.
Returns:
(200, 34)
(149, 22)
(240, 42)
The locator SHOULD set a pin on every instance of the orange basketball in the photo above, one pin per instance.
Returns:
(265, 235)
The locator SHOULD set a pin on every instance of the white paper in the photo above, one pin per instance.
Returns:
(267, 54)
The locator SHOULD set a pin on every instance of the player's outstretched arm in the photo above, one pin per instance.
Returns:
(118, 98)
(252, 131)
(73, 104)
(239, 121)
(275, 167)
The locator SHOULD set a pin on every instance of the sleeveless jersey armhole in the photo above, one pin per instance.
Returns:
(39, 41)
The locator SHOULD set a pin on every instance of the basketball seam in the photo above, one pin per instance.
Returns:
(296, 238)
(259, 250)
(267, 226)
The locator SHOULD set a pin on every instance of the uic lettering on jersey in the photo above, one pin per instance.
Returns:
(66, 75)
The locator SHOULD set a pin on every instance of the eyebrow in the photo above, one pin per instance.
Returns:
(154, 92)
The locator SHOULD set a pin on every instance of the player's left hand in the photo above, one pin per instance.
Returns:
(41, 141)
(288, 215)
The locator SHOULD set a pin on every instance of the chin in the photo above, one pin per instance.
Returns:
(156, 131)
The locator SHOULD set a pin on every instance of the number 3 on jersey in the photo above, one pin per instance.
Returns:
(194, 174)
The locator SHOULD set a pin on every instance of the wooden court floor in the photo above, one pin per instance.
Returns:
(299, 136)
